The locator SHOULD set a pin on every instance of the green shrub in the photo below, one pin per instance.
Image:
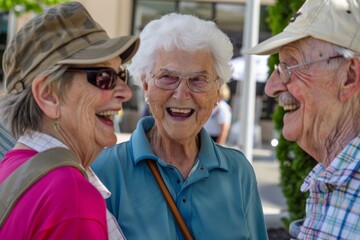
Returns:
(27, 5)
(295, 164)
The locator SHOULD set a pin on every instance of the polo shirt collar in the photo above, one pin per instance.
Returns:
(141, 148)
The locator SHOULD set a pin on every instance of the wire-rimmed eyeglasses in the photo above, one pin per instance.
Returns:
(285, 70)
(196, 81)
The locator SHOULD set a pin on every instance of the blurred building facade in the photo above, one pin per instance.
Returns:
(123, 17)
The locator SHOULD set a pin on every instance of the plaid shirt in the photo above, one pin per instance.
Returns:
(333, 207)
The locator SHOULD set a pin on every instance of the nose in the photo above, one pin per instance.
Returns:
(182, 90)
(274, 85)
(123, 90)
(127, 93)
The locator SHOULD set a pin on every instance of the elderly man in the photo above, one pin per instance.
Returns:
(317, 82)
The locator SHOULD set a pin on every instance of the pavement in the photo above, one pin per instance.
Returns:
(267, 171)
(268, 175)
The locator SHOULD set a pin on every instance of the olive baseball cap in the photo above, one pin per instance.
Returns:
(64, 34)
(333, 21)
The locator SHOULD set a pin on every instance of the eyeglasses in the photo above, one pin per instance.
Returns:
(196, 82)
(103, 77)
(285, 70)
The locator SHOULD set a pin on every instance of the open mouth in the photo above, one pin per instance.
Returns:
(288, 102)
(290, 107)
(106, 116)
(180, 112)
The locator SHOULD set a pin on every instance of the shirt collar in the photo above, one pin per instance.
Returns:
(95, 181)
(41, 141)
(143, 151)
(341, 168)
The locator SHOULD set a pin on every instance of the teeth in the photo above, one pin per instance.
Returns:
(107, 113)
(180, 110)
(290, 107)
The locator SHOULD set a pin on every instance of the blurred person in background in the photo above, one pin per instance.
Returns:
(64, 82)
(7, 141)
(181, 64)
(317, 82)
(219, 123)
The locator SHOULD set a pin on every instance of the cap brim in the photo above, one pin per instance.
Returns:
(104, 50)
(273, 44)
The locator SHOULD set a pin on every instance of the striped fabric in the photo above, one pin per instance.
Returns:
(114, 230)
(6, 141)
(333, 207)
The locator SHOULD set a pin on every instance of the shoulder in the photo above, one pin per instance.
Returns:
(68, 184)
(230, 152)
(235, 159)
(237, 171)
(224, 106)
(64, 194)
(65, 190)
(110, 157)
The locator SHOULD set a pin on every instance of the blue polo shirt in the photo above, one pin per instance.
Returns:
(219, 199)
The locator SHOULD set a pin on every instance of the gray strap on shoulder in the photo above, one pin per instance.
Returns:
(29, 173)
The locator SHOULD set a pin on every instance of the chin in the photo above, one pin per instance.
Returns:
(289, 135)
(107, 141)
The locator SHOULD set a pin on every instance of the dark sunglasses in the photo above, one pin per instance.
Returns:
(103, 77)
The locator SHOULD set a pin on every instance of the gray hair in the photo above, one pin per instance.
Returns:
(347, 53)
(183, 32)
(19, 111)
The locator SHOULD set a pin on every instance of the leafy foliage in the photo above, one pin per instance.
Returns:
(295, 164)
(20, 6)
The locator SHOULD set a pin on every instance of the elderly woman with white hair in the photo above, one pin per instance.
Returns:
(181, 64)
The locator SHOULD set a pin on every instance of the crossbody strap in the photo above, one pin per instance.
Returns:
(169, 200)
(12, 188)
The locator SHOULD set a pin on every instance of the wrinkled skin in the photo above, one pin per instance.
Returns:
(82, 129)
(319, 99)
(174, 138)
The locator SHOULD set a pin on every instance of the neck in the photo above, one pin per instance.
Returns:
(331, 146)
(181, 155)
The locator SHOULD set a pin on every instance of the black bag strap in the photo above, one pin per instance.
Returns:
(16, 184)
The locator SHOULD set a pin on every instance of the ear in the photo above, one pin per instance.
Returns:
(45, 97)
(350, 84)
(144, 83)
(218, 99)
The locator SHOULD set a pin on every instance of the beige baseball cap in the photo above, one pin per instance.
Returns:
(64, 34)
(334, 21)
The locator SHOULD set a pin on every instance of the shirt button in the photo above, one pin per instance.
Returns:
(202, 168)
(184, 200)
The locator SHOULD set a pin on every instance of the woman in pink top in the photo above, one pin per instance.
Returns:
(64, 82)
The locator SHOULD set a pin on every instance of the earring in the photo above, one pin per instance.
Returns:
(146, 100)
(56, 125)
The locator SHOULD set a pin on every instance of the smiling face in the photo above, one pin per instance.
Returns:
(86, 112)
(310, 99)
(181, 113)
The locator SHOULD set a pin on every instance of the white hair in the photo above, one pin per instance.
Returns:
(184, 32)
